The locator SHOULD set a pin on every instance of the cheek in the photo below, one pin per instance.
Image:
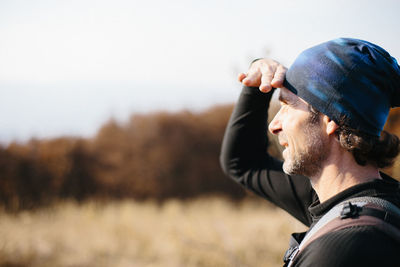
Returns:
(293, 131)
(295, 143)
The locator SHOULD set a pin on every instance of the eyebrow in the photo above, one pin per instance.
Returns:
(286, 98)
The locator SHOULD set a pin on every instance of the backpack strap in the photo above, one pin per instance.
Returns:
(368, 211)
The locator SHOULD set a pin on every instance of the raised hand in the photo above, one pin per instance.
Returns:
(265, 74)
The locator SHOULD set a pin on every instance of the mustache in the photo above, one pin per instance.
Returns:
(282, 139)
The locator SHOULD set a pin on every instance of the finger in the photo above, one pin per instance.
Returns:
(252, 79)
(265, 88)
(279, 77)
(266, 79)
(241, 76)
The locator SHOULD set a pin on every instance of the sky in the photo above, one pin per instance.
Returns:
(66, 67)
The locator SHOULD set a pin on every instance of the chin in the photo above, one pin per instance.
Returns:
(287, 168)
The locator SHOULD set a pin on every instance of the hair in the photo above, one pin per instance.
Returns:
(379, 151)
(315, 115)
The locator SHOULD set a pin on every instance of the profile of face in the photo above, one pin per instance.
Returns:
(301, 133)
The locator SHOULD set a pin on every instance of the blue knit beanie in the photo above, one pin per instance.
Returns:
(348, 77)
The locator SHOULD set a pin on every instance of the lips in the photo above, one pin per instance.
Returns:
(282, 140)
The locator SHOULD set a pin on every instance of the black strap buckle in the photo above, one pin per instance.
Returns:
(349, 211)
(290, 254)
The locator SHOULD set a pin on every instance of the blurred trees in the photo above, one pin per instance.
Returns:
(164, 155)
(39, 172)
(159, 155)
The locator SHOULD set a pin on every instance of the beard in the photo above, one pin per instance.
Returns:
(308, 162)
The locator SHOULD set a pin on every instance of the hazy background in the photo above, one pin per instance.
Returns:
(67, 66)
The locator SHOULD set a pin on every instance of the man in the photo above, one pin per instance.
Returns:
(335, 100)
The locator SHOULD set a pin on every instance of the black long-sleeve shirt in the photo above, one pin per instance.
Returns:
(244, 158)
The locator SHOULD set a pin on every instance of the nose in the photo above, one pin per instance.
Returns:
(275, 126)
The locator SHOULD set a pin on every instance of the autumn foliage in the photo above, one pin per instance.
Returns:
(158, 155)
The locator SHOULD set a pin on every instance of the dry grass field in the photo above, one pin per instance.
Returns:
(203, 232)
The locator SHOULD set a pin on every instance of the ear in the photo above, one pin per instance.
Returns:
(330, 125)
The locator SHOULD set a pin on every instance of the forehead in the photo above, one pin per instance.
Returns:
(287, 96)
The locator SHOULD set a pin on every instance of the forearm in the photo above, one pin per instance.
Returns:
(245, 142)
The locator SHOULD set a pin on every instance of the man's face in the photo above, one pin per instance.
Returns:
(301, 134)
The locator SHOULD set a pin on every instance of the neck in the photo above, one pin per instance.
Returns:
(340, 172)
